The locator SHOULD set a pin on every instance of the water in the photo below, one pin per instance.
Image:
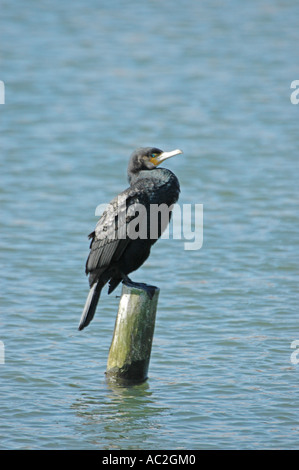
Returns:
(86, 83)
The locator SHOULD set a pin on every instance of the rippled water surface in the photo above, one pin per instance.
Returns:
(86, 83)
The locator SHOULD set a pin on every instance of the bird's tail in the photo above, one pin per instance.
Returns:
(90, 305)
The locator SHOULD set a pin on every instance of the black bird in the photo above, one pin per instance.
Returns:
(126, 231)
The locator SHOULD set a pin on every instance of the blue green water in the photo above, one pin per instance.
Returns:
(85, 84)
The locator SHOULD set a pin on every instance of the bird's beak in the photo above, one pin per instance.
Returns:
(164, 155)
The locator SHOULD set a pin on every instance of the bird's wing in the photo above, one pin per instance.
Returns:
(110, 238)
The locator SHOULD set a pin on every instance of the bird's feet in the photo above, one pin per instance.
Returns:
(150, 290)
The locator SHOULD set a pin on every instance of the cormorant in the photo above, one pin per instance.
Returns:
(126, 231)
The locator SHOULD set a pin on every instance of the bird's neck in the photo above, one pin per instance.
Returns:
(157, 174)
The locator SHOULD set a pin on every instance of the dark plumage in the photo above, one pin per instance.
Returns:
(115, 251)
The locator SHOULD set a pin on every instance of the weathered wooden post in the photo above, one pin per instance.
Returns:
(130, 350)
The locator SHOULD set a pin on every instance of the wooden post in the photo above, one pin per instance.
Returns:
(130, 350)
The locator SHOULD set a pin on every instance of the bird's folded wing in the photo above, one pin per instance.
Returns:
(110, 238)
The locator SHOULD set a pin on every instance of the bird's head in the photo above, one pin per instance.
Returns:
(148, 158)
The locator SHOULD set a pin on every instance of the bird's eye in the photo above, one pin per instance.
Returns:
(154, 155)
